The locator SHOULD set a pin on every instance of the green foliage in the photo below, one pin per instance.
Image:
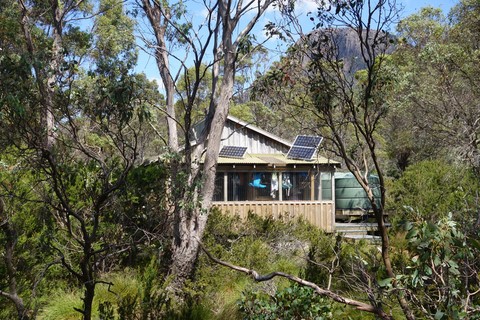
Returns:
(154, 299)
(26, 229)
(114, 28)
(438, 218)
(437, 85)
(105, 311)
(323, 257)
(263, 244)
(123, 296)
(17, 100)
(433, 189)
(114, 39)
(420, 28)
(295, 302)
(61, 306)
(267, 245)
(194, 88)
(256, 113)
(285, 90)
(62, 204)
(178, 33)
(443, 268)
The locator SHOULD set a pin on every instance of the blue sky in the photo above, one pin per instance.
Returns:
(412, 6)
(147, 64)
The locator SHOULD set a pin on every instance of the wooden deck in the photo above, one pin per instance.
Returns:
(320, 214)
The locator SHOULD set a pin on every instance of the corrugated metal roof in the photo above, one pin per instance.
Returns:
(274, 159)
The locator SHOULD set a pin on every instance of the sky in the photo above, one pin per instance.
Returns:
(412, 6)
(147, 65)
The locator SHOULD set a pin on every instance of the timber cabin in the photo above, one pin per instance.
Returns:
(262, 173)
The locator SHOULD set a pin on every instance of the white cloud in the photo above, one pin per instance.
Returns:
(302, 7)
(305, 6)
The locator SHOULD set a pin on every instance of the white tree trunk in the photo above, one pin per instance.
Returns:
(190, 209)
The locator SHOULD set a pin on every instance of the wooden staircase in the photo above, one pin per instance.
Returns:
(360, 230)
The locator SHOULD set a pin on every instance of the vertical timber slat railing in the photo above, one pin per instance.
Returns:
(320, 214)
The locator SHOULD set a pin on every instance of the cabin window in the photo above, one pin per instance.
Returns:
(267, 186)
(263, 186)
(237, 186)
(218, 193)
(296, 186)
(326, 178)
(317, 186)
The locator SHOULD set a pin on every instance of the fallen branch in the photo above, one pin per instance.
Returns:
(362, 306)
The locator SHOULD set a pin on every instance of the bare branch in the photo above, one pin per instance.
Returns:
(359, 305)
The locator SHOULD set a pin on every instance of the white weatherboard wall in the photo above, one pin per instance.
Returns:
(237, 134)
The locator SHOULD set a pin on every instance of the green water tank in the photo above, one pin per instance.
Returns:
(349, 195)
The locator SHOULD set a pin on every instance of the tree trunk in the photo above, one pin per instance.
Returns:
(185, 249)
(190, 226)
(87, 276)
(159, 19)
(46, 77)
(382, 229)
(11, 240)
(88, 300)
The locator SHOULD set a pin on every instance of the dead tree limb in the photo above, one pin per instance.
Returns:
(359, 305)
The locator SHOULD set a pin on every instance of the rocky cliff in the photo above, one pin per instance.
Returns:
(343, 44)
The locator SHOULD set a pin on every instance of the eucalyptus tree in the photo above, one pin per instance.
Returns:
(346, 96)
(211, 45)
(439, 84)
(354, 109)
(30, 61)
(437, 70)
(74, 111)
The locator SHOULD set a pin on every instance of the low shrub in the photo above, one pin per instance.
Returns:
(294, 302)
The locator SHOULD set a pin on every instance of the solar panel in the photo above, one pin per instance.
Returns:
(308, 141)
(304, 147)
(303, 153)
(233, 152)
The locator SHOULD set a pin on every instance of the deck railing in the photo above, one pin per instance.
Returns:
(318, 213)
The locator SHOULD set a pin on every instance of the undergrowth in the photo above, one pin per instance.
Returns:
(217, 292)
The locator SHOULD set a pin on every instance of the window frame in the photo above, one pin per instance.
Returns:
(314, 177)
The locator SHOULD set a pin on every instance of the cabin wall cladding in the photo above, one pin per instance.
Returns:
(238, 135)
(319, 214)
